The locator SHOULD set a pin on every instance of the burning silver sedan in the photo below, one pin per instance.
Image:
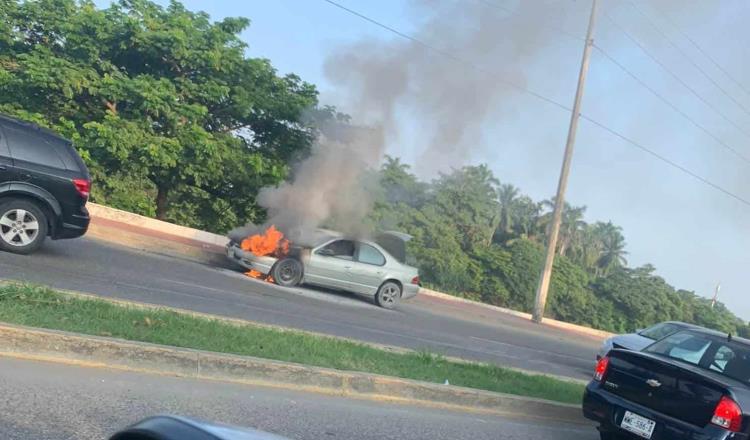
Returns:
(375, 268)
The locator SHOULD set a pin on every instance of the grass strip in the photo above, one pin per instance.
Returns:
(38, 306)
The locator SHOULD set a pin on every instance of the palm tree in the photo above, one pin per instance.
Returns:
(570, 225)
(507, 196)
(613, 247)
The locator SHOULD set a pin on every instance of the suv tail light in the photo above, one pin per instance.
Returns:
(728, 415)
(83, 186)
(416, 281)
(601, 369)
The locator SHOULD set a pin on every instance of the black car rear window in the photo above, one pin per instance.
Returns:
(726, 357)
(39, 148)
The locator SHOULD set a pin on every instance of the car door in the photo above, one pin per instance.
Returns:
(368, 269)
(7, 171)
(330, 263)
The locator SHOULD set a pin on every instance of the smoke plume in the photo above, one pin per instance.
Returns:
(382, 81)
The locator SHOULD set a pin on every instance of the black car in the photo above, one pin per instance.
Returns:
(693, 384)
(44, 186)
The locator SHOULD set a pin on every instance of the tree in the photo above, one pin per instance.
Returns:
(612, 253)
(158, 99)
(467, 196)
(399, 185)
(507, 196)
(570, 224)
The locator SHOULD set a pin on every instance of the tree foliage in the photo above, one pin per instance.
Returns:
(171, 116)
(480, 239)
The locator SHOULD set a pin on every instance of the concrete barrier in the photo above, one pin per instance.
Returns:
(94, 351)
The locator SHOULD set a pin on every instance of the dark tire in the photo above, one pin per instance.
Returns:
(287, 272)
(23, 226)
(388, 295)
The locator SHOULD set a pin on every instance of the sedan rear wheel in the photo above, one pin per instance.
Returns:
(388, 295)
(287, 272)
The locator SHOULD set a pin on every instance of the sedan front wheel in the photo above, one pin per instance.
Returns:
(287, 272)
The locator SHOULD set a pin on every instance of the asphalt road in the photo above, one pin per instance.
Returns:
(109, 270)
(45, 401)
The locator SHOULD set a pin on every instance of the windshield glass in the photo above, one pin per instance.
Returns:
(729, 358)
(658, 331)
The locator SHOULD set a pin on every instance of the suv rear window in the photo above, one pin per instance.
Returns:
(39, 148)
(728, 358)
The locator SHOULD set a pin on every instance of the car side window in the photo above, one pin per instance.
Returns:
(370, 255)
(26, 145)
(343, 249)
(720, 359)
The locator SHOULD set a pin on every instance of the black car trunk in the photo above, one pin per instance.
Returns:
(664, 386)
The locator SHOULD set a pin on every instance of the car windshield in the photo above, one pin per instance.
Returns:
(726, 357)
(659, 331)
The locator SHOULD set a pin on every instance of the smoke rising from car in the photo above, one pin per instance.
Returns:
(379, 81)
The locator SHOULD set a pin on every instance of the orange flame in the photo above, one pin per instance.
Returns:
(272, 242)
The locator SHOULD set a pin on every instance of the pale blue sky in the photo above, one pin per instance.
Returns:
(693, 234)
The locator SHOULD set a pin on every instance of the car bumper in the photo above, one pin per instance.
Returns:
(608, 410)
(250, 261)
(410, 291)
(74, 226)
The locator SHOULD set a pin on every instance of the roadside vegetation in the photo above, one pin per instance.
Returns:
(176, 122)
(38, 306)
(483, 240)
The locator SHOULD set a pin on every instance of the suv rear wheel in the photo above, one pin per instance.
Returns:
(23, 226)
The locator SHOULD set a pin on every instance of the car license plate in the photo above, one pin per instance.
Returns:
(638, 425)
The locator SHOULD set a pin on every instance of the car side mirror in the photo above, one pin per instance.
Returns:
(640, 330)
(325, 252)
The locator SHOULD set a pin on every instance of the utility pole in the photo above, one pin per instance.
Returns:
(544, 279)
(716, 295)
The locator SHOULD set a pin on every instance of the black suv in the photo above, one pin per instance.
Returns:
(44, 186)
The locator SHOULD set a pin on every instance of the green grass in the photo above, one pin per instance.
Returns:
(43, 307)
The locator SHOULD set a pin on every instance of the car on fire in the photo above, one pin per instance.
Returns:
(692, 384)
(376, 268)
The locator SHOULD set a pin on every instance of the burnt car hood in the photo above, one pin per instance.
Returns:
(394, 243)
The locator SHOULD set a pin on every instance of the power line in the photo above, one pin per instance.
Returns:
(671, 105)
(676, 77)
(584, 116)
(515, 12)
(667, 161)
(702, 51)
(446, 54)
(696, 65)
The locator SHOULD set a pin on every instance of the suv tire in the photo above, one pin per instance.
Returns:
(23, 226)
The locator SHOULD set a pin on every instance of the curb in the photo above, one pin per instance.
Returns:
(245, 323)
(547, 321)
(94, 351)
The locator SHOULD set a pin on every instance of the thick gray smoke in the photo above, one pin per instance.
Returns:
(380, 81)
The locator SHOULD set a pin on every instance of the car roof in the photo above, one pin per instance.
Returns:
(30, 126)
(709, 332)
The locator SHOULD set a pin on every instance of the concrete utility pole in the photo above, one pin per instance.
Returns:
(716, 295)
(544, 279)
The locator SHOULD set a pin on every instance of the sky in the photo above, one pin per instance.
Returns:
(695, 235)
